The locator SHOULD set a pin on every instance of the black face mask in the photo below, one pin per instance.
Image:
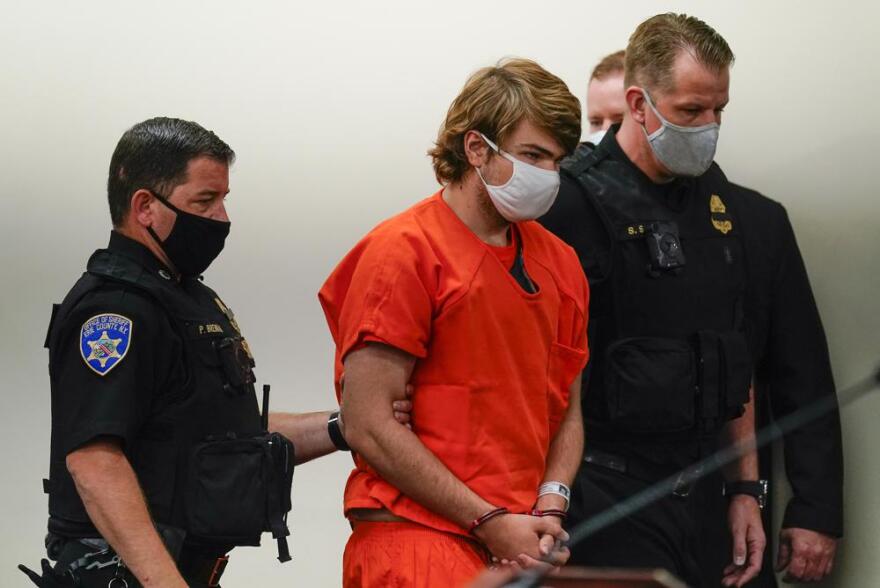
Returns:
(194, 241)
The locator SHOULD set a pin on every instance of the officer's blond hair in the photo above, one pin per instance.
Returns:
(657, 42)
(493, 101)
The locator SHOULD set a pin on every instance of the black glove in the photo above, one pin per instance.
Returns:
(50, 577)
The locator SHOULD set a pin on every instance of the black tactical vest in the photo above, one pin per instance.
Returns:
(668, 352)
(205, 461)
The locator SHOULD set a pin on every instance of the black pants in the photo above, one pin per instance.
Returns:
(678, 534)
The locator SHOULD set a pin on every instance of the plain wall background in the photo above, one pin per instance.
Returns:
(331, 107)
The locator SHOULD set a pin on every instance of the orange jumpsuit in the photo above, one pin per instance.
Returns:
(494, 366)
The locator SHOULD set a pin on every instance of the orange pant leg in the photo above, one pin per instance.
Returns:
(408, 555)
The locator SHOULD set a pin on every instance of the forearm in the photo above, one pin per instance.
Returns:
(566, 449)
(115, 504)
(376, 376)
(307, 431)
(741, 432)
(398, 455)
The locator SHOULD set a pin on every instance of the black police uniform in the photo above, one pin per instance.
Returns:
(160, 364)
(670, 361)
(792, 370)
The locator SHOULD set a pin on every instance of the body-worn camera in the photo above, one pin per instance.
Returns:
(664, 246)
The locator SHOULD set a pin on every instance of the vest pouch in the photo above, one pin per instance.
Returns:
(236, 361)
(239, 488)
(650, 385)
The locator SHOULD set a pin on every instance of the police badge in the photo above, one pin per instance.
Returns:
(103, 341)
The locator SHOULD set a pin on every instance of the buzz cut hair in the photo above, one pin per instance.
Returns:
(611, 65)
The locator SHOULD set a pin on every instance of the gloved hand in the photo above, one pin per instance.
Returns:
(50, 577)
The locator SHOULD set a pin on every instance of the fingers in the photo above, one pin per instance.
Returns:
(807, 562)
(551, 526)
(825, 565)
(545, 544)
(783, 556)
(402, 406)
(748, 551)
(402, 410)
(739, 545)
(756, 544)
(559, 556)
(527, 562)
(796, 569)
(817, 564)
(552, 551)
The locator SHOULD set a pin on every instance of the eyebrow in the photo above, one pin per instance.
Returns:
(546, 152)
(210, 193)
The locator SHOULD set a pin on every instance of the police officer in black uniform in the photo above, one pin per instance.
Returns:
(792, 370)
(161, 461)
(657, 228)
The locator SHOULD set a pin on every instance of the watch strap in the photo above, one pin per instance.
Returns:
(756, 488)
(335, 432)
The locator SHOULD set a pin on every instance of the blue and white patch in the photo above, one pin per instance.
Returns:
(104, 340)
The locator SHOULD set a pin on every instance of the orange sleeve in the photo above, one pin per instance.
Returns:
(380, 293)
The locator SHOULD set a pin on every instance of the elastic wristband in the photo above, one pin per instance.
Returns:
(336, 433)
(486, 517)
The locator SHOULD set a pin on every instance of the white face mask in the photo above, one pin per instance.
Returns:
(684, 151)
(596, 138)
(528, 194)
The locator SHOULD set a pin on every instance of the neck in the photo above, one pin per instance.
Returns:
(470, 203)
(142, 236)
(634, 143)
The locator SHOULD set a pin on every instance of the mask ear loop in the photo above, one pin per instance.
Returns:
(507, 156)
(663, 122)
(150, 229)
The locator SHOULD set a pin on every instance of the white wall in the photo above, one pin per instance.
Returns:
(331, 107)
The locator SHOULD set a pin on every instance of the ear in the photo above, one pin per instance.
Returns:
(475, 149)
(141, 211)
(635, 103)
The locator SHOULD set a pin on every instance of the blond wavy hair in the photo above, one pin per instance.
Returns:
(656, 43)
(493, 101)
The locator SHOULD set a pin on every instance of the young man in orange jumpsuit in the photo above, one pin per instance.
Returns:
(485, 313)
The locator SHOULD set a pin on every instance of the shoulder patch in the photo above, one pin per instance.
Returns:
(104, 341)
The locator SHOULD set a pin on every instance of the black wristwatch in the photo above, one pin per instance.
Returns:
(758, 489)
(335, 432)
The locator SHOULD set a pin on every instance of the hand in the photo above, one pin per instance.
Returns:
(554, 554)
(806, 556)
(510, 535)
(747, 531)
(403, 408)
(553, 550)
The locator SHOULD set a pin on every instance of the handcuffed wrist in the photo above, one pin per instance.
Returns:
(486, 517)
